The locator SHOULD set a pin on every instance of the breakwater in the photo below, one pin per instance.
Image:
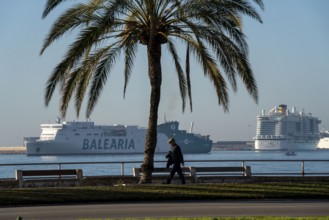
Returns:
(13, 150)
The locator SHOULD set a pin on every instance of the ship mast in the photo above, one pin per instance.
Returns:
(191, 127)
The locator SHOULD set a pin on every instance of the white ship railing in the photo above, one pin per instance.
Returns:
(271, 136)
(124, 168)
(275, 137)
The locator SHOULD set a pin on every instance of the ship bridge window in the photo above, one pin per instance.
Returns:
(120, 132)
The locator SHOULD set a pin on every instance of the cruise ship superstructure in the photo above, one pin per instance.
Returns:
(62, 138)
(282, 129)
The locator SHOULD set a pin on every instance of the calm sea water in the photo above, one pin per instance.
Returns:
(288, 166)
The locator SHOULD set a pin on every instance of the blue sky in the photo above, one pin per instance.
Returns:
(289, 54)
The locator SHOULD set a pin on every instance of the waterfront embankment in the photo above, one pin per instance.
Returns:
(13, 150)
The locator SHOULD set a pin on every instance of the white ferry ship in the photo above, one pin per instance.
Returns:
(62, 138)
(281, 129)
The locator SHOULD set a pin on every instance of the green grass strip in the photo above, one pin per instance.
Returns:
(159, 192)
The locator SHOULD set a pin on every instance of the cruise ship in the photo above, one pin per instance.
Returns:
(69, 138)
(281, 129)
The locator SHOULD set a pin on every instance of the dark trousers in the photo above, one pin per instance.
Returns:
(178, 169)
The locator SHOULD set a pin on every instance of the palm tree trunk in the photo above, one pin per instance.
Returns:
(154, 71)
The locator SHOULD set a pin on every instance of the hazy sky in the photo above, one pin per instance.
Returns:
(289, 54)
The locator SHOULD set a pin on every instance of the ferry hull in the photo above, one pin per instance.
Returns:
(76, 138)
(92, 146)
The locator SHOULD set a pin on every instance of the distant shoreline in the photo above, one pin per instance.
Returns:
(13, 150)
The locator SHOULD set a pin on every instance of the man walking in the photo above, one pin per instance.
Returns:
(177, 159)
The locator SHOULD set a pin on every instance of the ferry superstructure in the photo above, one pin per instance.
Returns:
(282, 129)
(69, 138)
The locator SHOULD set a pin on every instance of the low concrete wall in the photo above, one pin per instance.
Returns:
(85, 181)
(118, 180)
(297, 179)
(8, 183)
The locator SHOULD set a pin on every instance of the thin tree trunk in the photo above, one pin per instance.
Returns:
(154, 71)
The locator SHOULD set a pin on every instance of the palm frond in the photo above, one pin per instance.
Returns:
(211, 70)
(88, 37)
(50, 5)
(69, 87)
(75, 17)
(180, 73)
(58, 75)
(243, 7)
(88, 67)
(130, 52)
(188, 78)
(100, 76)
(260, 4)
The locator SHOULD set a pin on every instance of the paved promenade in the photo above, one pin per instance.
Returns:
(170, 209)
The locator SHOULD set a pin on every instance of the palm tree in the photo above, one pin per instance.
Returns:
(211, 30)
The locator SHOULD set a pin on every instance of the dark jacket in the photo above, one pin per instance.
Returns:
(177, 155)
(169, 159)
